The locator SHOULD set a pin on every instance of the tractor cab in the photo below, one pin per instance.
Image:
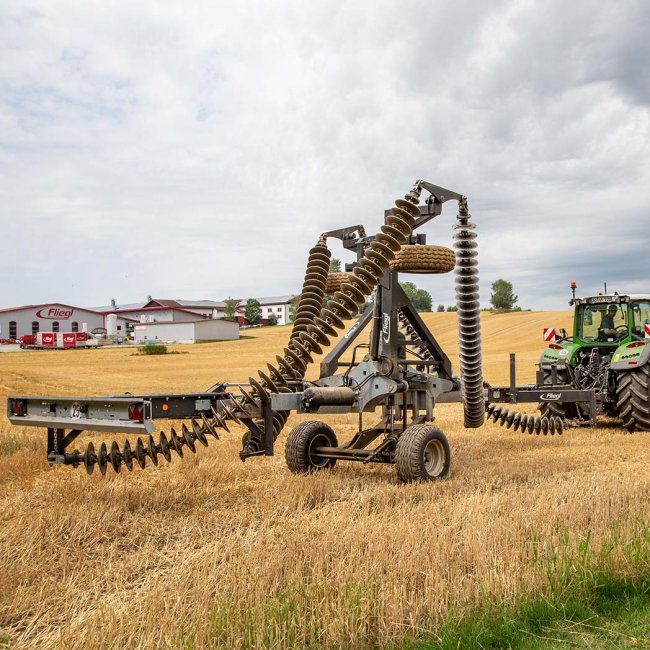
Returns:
(603, 320)
(602, 325)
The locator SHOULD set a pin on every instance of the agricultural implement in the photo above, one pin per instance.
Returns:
(400, 370)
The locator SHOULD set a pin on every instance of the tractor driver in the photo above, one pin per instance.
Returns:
(607, 326)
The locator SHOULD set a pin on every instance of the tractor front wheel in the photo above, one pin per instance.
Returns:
(422, 454)
(633, 393)
(302, 442)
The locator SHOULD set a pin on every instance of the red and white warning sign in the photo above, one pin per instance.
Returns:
(549, 333)
(646, 328)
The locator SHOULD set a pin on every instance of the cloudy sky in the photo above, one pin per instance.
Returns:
(196, 150)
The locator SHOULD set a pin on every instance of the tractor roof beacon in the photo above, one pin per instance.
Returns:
(607, 353)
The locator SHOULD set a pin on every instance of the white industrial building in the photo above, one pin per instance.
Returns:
(127, 319)
(54, 317)
(279, 306)
(191, 331)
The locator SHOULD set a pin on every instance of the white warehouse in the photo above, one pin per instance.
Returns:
(205, 329)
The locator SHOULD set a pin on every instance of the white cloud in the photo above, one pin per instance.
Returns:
(198, 151)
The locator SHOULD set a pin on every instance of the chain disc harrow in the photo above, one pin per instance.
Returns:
(469, 318)
(314, 326)
(527, 423)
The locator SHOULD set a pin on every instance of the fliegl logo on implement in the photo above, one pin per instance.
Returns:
(385, 327)
(352, 330)
(550, 397)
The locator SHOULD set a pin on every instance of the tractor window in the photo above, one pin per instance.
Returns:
(603, 323)
(640, 318)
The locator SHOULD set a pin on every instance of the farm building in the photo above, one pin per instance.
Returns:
(159, 309)
(204, 329)
(53, 317)
(279, 306)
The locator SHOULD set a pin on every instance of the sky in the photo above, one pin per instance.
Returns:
(197, 150)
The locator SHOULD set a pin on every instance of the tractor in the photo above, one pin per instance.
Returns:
(608, 353)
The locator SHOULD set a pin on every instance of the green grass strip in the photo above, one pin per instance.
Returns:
(606, 612)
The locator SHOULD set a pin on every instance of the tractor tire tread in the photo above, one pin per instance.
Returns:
(633, 393)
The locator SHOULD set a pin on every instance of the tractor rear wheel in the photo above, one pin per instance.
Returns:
(422, 454)
(565, 410)
(633, 393)
(301, 444)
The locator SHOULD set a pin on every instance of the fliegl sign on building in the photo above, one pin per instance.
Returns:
(55, 313)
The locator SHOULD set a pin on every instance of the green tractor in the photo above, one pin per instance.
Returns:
(608, 353)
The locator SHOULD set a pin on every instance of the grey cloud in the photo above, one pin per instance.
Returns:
(201, 151)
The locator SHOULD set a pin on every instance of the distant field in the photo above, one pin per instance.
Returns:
(211, 552)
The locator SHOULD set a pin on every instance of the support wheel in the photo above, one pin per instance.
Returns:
(633, 392)
(301, 443)
(421, 258)
(422, 454)
(335, 282)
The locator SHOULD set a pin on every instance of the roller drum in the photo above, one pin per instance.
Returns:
(469, 323)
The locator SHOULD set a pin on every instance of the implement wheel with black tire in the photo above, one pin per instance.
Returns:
(424, 259)
(301, 443)
(633, 392)
(422, 454)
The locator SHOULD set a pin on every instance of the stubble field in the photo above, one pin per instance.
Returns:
(211, 552)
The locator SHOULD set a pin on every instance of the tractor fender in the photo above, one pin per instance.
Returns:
(631, 356)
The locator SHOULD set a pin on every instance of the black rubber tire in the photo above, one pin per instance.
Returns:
(565, 410)
(424, 259)
(335, 282)
(422, 454)
(302, 439)
(633, 393)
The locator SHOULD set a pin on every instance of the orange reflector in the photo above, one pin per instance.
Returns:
(165, 407)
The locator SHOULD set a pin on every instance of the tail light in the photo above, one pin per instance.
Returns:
(636, 344)
(135, 412)
(18, 407)
(554, 346)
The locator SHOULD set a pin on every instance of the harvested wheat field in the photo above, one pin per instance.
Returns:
(211, 552)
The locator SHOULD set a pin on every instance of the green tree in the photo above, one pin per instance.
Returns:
(252, 311)
(420, 298)
(272, 319)
(452, 308)
(503, 297)
(230, 309)
(440, 308)
(293, 307)
(335, 265)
